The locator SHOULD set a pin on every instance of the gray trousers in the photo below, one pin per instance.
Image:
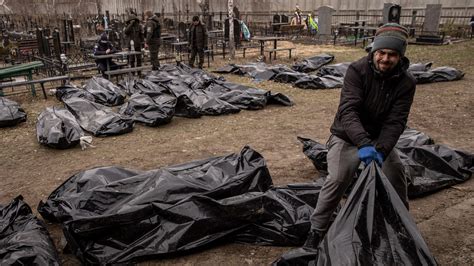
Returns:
(343, 162)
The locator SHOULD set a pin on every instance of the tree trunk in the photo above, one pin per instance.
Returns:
(231, 29)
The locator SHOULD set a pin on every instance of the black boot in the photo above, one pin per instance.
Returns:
(314, 238)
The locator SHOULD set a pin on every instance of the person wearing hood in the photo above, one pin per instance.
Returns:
(375, 101)
(153, 37)
(104, 47)
(134, 32)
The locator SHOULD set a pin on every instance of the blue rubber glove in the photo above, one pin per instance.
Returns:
(367, 154)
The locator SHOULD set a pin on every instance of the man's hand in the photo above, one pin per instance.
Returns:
(368, 153)
(107, 51)
(146, 46)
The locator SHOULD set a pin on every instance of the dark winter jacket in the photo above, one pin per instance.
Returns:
(134, 31)
(103, 44)
(374, 109)
(198, 36)
(153, 30)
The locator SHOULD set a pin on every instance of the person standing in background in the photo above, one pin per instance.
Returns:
(134, 31)
(153, 38)
(197, 41)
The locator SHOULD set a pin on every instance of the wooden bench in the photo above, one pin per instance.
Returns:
(274, 51)
(31, 82)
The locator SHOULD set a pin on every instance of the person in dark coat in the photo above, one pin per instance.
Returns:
(375, 102)
(153, 38)
(197, 41)
(134, 32)
(104, 47)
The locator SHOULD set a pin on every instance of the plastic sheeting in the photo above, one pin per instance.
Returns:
(316, 82)
(337, 70)
(58, 128)
(150, 111)
(439, 74)
(429, 167)
(420, 67)
(424, 74)
(201, 93)
(257, 71)
(114, 215)
(373, 228)
(283, 74)
(10, 113)
(313, 63)
(104, 91)
(95, 118)
(24, 239)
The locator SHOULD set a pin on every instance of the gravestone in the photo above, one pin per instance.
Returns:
(391, 13)
(432, 17)
(325, 20)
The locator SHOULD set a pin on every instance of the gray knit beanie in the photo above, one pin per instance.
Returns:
(391, 36)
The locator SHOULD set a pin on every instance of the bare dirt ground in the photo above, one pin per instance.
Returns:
(442, 110)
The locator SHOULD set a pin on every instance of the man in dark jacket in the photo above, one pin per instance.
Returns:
(153, 37)
(375, 102)
(104, 47)
(134, 31)
(197, 41)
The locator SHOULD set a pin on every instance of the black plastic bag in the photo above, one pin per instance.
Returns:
(10, 113)
(58, 128)
(433, 167)
(316, 82)
(150, 111)
(200, 93)
(299, 256)
(144, 86)
(105, 92)
(289, 77)
(317, 152)
(68, 91)
(133, 215)
(240, 96)
(278, 217)
(439, 74)
(313, 63)
(205, 102)
(412, 137)
(98, 119)
(374, 228)
(257, 71)
(420, 67)
(227, 69)
(245, 97)
(338, 70)
(24, 239)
